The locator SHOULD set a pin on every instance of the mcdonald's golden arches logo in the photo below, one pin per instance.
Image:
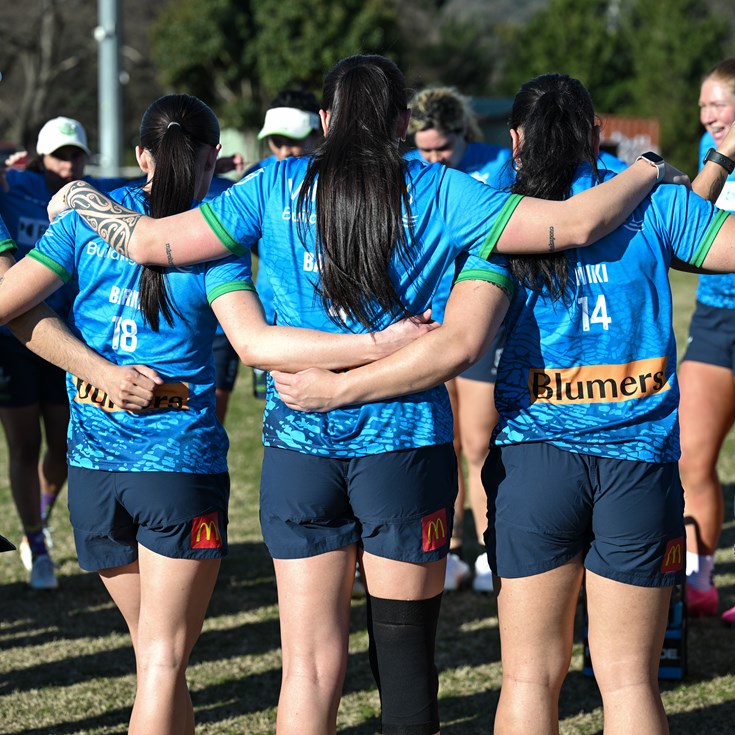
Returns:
(673, 556)
(205, 532)
(434, 530)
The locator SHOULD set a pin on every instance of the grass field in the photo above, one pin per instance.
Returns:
(66, 665)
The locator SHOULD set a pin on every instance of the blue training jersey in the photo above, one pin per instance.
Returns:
(452, 217)
(490, 164)
(180, 432)
(597, 374)
(718, 290)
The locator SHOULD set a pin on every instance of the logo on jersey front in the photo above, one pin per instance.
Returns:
(599, 383)
(434, 530)
(673, 556)
(205, 532)
(169, 396)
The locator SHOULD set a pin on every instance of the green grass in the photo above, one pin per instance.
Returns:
(66, 665)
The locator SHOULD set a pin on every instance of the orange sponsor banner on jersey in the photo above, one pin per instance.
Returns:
(599, 383)
(434, 530)
(205, 532)
(169, 396)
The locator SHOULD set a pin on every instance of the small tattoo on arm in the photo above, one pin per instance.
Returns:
(551, 239)
(169, 254)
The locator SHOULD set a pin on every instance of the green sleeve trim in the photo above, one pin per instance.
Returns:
(479, 274)
(228, 288)
(709, 237)
(219, 229)
(499, 225)
(51, 264)
(7, 246)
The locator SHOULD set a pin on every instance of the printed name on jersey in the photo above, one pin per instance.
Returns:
(596, 273)
(169, 396)
(599, 383)
(125, 296)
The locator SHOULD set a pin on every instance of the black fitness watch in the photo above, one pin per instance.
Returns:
(655, 160)
(721, 160)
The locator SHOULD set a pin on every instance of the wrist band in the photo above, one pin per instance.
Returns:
(727, 163)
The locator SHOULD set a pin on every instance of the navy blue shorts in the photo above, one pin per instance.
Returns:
(546, 506)
(176, 514)
(397, 505)
(712, 337)
(486, 368)
(226, 363)
(26, 379)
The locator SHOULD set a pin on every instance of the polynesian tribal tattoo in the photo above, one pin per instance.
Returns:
(113, 223)
(551, 239)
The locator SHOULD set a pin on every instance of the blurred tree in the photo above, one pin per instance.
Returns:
(577, 37)
(637, 57)
(48, 66)
(237, 54)
(672, 45)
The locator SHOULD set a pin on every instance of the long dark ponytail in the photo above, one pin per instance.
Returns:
(361, 190)
(554, 112)
(174, 129)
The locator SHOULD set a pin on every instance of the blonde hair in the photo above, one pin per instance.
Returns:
(723, 72)
(446, 110)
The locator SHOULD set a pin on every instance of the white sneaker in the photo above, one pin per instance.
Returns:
(24, 548)
(483, 579)
(43, 574)
(457, 573)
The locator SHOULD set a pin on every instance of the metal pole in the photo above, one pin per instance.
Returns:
(107, 34)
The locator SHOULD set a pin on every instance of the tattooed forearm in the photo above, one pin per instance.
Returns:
(169, 254)
(552, 243)
(716, 187)
(113, 223)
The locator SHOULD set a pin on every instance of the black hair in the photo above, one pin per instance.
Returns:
(555, 115)
(299, 99)
(174, 129)
(362, 190)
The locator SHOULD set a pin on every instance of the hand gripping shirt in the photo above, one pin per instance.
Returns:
(718, 290)
(597, 374)
(180, 432)
(452, 216)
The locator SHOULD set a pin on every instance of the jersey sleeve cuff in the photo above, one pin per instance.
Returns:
(8, 246)
(221, 231)
(224, 288)
(505, 283)
(499, 225)
(709, 237)
(51, 264)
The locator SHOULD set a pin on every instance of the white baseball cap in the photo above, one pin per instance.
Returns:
(290, 122)
(58, 132)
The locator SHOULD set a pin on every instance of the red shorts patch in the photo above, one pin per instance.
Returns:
(205, 532)
(434, 530)
(673, 556)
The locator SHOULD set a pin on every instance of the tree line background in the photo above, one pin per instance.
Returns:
(638, 57)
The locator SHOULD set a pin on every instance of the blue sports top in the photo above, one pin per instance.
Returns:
(490, 164)
(6, 242)
(718, 290)
(180, 433)
(23, 207)
(456, 220)
(597, 374)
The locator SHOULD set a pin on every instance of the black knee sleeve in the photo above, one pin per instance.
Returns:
(402, 637)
